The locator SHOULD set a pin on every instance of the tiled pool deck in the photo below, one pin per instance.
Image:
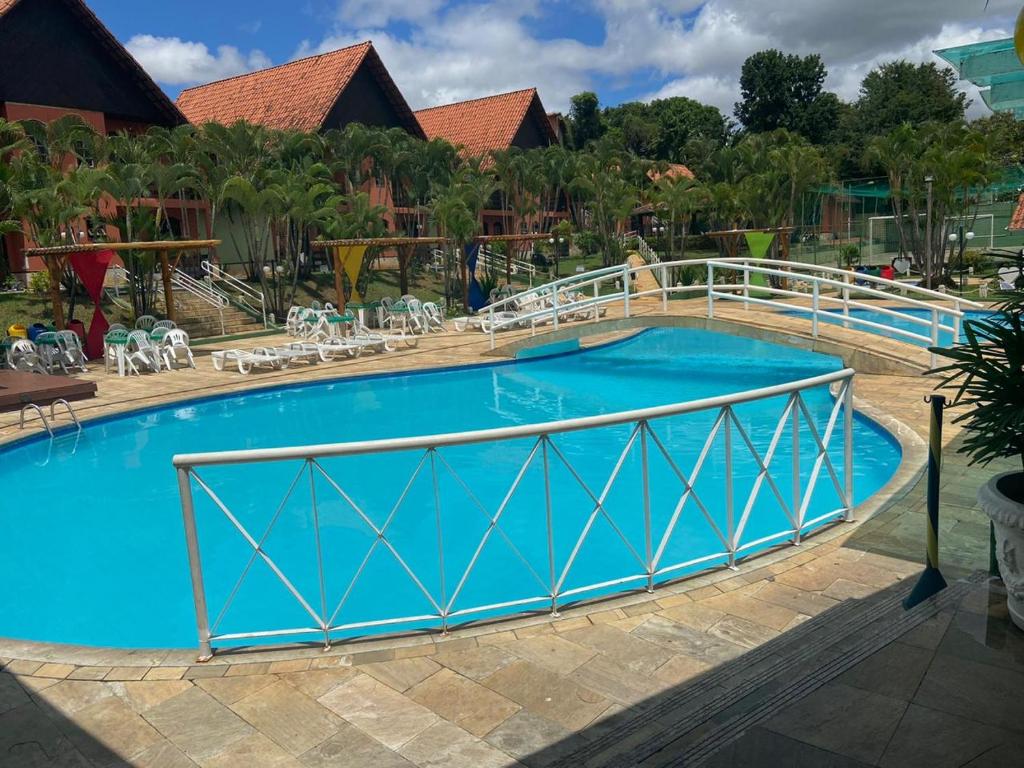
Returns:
(834, 672)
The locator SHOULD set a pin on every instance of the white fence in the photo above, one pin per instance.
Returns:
(826, 288)
(665, 506)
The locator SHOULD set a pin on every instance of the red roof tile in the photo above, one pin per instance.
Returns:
(1017, 219)
(674, 171)
(489, 123)
(298, 95)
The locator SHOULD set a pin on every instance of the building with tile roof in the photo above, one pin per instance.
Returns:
(329, 90)
(68, 62)
(59, 59)
(478, 126)
(1017, 218)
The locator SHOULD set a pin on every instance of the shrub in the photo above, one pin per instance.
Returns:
(39, 282)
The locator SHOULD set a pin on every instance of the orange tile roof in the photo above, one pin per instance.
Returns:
(98, 28)
(1017, 219)
(298, 95)
(674, 171)
(485, 124)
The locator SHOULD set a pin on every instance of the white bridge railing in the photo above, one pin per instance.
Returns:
(824, 288)
(658, 516)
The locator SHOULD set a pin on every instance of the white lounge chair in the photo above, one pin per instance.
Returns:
(332, 347)
(305, 351)
(360, 331)
(175, 349)
(260, 357)
(434, 316)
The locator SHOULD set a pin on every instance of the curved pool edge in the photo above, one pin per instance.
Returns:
(407, 645)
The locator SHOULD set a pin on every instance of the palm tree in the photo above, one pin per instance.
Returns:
(678, 199)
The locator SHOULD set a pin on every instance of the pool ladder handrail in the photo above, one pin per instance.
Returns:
(42, 416)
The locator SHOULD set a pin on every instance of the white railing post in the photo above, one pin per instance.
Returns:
(848, 447)
(597, 295)
(490, 324)
(746, 285)
(195, 565)
(664, 288)
(550, 524)
(711, 290)
(957, 322)
(645, 480)
(846, 301)
(554, 307)
(935, 333)
(815, 297)
(797, 485)
(625, 289)
(730, 522)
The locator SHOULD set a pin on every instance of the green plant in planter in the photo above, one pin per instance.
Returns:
(987, 373)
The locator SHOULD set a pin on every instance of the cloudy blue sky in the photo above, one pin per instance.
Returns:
(447, 50)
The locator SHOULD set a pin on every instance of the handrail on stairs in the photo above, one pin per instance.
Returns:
(247, 293)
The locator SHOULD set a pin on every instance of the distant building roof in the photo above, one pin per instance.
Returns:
(298, 95)
(674, 171)
(1017, 219)
(150, 91)
(489, 123)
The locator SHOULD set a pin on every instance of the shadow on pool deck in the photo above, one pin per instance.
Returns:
(862, 684)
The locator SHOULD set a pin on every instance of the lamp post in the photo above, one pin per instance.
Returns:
(963, 238)
(556, 250)
(928, 180)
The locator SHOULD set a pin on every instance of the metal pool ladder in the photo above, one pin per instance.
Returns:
(42, 416)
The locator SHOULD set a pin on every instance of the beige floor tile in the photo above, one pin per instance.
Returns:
(401, 674)
(548, 694)
(287, 716)
(444, 745)
(553, 652)
(378, 710)
(464, 702)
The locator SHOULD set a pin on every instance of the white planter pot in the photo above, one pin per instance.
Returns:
(1008, 520)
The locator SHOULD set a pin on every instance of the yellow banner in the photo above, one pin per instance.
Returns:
(351, 259)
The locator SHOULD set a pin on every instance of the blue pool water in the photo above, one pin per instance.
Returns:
(92, 549)
(945, 337)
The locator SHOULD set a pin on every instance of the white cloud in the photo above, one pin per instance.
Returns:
(175, 61)
(377, 13)
(693, 47)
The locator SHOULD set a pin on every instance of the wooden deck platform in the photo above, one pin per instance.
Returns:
(18, 388)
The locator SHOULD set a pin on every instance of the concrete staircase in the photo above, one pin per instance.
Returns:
(200, 319)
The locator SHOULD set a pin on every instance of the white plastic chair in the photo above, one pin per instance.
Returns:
(70, 346)
(117, 327)
(145, 323)
(141, 351)
(175, 349)
(24, 356)
(164, 324)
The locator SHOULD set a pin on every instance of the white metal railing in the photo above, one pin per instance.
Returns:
(740, 474)
(202, 291)
(581, 296)
(245, 294)
(643, 248)
(496, 261)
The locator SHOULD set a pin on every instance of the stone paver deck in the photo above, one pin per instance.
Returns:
(530, 692)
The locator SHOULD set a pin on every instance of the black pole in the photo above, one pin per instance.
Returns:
(931, 580)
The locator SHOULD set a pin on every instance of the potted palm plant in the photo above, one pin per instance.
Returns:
(987, 373)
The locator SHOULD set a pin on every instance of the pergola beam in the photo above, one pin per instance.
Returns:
(55, 255)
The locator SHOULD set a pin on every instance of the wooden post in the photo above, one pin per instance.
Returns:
(339, 285)
(165, 273)
(53, 265)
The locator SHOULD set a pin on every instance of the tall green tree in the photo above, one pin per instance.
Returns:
(584, 119)
(901, 92)
(779, 90)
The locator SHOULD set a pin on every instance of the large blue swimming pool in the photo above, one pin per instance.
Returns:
(92, 550)
(882, 318)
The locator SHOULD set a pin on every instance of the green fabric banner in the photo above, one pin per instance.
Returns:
(759, 243)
